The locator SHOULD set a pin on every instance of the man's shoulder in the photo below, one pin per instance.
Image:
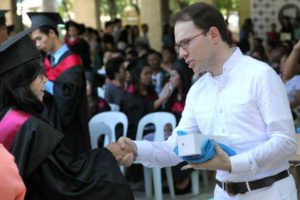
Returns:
(252, 66)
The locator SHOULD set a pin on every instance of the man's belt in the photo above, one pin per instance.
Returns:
(233, 188)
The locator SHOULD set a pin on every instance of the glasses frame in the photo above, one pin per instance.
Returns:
(186, 43)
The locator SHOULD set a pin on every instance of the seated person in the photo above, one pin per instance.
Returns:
(114, 88)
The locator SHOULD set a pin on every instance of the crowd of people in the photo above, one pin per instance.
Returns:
(246, 91)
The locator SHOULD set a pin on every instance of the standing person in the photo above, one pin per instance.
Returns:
(47, 167)
(3, 27)
(65, 99)
(246, 31)
(237, 97)
(11, 185)
(77, 43)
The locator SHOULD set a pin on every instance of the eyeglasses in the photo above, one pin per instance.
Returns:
(186, 43)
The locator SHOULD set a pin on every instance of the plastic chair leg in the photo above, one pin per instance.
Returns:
(205, 177)
(148, 182)
(195, 182)
(170, 182)
(157, 183)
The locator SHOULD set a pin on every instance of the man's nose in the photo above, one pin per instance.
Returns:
(182, 53)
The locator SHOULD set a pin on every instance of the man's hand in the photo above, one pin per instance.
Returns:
(128, 146)
(123, 156)
(221, 161)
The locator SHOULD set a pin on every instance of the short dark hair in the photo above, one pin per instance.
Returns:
(46, 29)
(204, 17)
(113, 66)
(15, 89)
(107, 24)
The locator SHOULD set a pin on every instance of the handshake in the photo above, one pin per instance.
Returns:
(124, 150)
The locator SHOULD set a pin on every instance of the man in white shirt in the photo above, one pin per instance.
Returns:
(239, 97)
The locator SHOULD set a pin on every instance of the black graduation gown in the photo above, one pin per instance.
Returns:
(67, 108)
(82, 48)
(50, 171)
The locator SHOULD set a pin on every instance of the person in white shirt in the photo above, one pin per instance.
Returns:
(239, 97)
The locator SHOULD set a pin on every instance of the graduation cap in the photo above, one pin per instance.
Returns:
(17, 51)
(2, 17)
(39, 19)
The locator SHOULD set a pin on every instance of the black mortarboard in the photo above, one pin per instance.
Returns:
(2, 17)
(45, 18)
(17, 50)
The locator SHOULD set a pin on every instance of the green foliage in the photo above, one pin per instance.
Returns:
(64, 7)
(105, 6)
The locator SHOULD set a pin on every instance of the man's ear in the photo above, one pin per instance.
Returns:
(52, 33)
(215, 34)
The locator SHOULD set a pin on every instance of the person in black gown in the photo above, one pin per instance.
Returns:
(48, 168)
(65, 97)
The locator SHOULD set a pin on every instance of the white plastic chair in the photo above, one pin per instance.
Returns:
(97, 129)
(159, 119)
(100, 91)
(112, 118)
(195, 180)
(114, 107)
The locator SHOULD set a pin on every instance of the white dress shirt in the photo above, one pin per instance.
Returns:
(248, 104)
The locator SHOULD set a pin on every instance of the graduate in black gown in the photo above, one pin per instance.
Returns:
(65, 98)
(48, 169)
(77, 43)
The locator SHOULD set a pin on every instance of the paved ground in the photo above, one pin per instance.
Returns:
(206, 192)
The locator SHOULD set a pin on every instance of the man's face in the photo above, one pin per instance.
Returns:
(154, 60)
(43, 41)
(73, 32)
(193, 45)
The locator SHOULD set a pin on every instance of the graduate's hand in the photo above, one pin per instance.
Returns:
(116, 150)
(221, 161)
(127, 145)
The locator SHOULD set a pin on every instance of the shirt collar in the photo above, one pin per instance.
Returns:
(59, 53)
(230, 64)
(233, 60)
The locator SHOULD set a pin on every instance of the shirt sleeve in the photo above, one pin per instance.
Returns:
(161, 154)
(49, 85)
(274, 107)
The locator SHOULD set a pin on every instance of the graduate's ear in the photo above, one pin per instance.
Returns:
(52, 33)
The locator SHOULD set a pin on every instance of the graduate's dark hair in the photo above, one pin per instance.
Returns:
(113, 66)
(46, 29)
(15, 88)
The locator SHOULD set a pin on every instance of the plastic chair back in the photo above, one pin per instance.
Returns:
(114, 107)
(112, 119)
(97, 129)
(159, 119)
